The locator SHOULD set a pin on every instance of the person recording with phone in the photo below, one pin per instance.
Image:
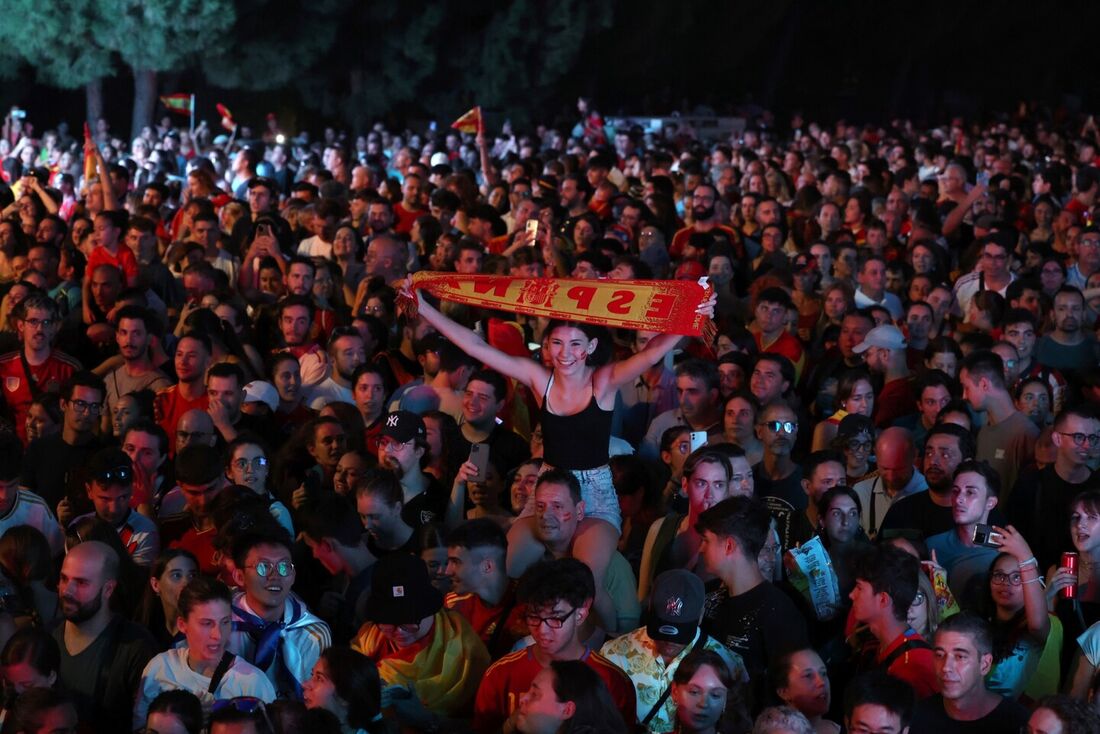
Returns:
(968, 550)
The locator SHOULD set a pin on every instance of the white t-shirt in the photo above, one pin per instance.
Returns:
(30, 509)
(169, 671)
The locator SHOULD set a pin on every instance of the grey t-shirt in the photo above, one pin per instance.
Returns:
(1007, 446)
(120, 383)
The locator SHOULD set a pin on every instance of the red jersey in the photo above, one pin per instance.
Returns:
(680, 240)
(124, 260)
(169, 406)
(787, 345)
(404, 218)
(178, 531)
(913, 666)
(485, 619)
(508, 678)
(16, 389)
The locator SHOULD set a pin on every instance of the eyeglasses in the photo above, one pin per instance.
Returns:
(1079, 439)
(856, 445)
(264, 568)
(188, 435)
(82, 407)
(554, 623)
(1004, 579)
(259, 462)
(38, 323)
(409, 629)
(785, 426)
(111, 476)
(1090, 243)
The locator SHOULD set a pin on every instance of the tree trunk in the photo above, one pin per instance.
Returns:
(93, 102)
(145, 96)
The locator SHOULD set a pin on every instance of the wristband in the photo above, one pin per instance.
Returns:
(1033, 561)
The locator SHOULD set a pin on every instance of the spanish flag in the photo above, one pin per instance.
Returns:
(181, 104)
(471, 122)
(227, 117)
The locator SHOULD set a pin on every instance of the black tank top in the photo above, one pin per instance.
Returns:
(579, 441)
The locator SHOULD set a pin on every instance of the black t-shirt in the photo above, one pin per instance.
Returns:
(506, 449)
(1040, 508)
(103, 677)
(428, 506)
(785, 499)
(918, 512)
(929, 716)
(757, 625)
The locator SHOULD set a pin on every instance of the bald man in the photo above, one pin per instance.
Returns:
(386, 259)
(195, 428)
(897, 477)
(102, 654)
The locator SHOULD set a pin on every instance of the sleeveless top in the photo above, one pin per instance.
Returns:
(576, 442)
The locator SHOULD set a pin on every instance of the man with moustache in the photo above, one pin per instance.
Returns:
(404, 451)
(705, 219)
(102, 654)
(346, 351)
(1069, 348)
(134, 330)
(36, 367)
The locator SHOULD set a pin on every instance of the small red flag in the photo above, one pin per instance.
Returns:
(227, 117)
(178, 103)
(471, 122)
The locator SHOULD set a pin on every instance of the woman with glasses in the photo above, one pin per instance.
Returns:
(1027, 640)
(247, 465)
(924, 612)
(855, 439)
(854, 394)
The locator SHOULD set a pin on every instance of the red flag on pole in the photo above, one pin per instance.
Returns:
(227, 117)
(178, 103)
(471, 122)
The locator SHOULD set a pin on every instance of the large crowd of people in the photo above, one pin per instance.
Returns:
(242, 490)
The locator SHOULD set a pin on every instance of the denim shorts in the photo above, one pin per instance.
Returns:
(598, 492)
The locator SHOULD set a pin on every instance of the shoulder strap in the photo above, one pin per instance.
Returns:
(910, 644)
(219, 672)
(546, 393)
(668, 689)
(32, 384)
